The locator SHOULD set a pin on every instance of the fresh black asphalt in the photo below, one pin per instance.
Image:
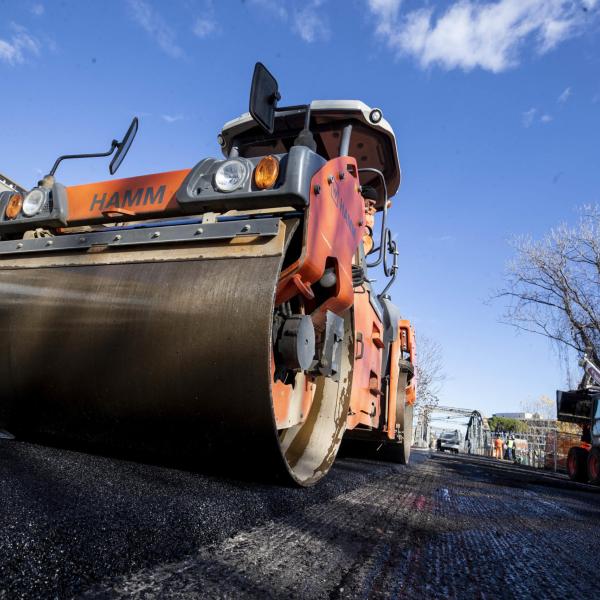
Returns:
(79, 525)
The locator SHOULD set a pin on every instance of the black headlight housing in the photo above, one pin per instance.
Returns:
(199, 192)
(53, 212)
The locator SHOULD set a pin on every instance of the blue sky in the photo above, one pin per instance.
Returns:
(496, 108)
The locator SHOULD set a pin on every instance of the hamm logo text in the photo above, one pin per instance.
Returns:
(128, 199)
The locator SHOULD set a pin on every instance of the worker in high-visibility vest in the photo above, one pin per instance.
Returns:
(498, 445)
(511, 447)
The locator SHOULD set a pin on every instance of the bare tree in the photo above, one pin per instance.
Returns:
(553, 285)
(544, 407)
(430, 371)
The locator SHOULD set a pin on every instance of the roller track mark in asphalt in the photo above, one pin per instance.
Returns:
(515, 542)
(445, 527)
(70, 520)
(345, 547)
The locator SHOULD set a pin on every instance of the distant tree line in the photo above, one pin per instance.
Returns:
(506, 425)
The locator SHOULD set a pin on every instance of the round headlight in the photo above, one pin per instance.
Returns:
(231, 175)
(33, 202)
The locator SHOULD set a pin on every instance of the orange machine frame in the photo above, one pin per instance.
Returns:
(333, 228)
(125, 199)
(368, 387)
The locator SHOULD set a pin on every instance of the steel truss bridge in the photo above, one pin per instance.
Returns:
(478, 437)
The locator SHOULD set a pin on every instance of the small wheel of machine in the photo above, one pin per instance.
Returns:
(398, 451)
(577, 462)
(593, 466)
(405, 424)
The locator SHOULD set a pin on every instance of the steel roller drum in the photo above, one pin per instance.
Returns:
(160, 354)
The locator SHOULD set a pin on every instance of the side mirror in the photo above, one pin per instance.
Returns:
(123, 147)
(264, 95)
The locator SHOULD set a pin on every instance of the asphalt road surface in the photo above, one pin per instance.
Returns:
(77, 525)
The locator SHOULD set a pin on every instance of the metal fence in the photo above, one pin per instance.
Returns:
(536, 435)
(547, 446)
(542, 446)
(557, 448)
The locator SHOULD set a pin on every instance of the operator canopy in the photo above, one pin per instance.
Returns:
(372, 142)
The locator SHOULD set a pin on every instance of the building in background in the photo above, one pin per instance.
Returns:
(8, 185)
(520, 416)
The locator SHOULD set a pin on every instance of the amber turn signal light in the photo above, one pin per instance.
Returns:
(266, 173)
(14, 206)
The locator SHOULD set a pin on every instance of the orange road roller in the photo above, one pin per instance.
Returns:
(219, 315)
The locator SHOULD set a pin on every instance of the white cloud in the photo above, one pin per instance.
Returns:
(386, 12)
(38, 9)
(565, 95)
(151, 21)
(172, 118)
(275, 7)
(305, 17)
(19, 46)
(528, 117)
(310, 23)
(203, 27)
(206, 25)
(472, 34)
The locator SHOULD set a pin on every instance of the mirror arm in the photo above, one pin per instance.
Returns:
(305, 137)
(307, 118)
(113, 146)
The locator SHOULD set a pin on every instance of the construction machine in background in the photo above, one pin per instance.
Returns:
(221, 315)
(582, 406)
